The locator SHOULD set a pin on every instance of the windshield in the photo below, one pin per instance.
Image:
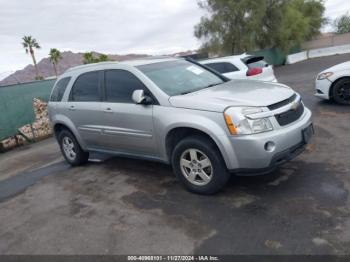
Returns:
(179, 77)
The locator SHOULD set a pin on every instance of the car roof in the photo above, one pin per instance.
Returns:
(111, 64)
(148, 61)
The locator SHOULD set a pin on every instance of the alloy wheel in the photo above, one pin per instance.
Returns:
(68, 148)
(196, 167)
(343, 92)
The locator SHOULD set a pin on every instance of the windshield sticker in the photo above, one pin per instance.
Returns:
(195, 70)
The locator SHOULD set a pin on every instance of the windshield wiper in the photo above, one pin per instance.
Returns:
(211, 85)
(198, 89)
(191, 91)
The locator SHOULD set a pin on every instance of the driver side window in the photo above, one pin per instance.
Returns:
(120, 84)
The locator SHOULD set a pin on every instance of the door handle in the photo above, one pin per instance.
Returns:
(108, 110)
(71, 108)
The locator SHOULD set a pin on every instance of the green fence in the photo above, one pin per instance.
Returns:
(275, 56)
(16, 104)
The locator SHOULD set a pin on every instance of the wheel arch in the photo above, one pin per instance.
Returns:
(176, 134)
(60, 125)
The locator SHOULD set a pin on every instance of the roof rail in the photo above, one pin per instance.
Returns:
(90, 65)
(156, 57)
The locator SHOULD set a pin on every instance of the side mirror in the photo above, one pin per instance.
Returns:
(139, 97)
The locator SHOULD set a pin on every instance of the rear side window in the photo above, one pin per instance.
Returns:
(86, 88)
(223, 67)
(59, 89)
(120, 85)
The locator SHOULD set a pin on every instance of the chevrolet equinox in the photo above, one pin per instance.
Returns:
(178, 112)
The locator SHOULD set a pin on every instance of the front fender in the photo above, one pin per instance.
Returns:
(339, 74)
(211, 123)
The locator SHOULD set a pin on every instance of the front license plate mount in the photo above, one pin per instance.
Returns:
(308, 133)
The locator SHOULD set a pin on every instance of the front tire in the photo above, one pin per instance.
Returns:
(71, 149)
(341, 91)
(198, 164)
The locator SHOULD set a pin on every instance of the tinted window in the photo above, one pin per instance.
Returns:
(180, 76)
(86, 87)
(255, 62)
(120, 85)
(223, 67)
(59, 89)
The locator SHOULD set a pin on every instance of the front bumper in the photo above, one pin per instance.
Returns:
(252, 156)
(322, 88)
(277, 160)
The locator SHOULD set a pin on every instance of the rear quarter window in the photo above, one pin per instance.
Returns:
(59, 89)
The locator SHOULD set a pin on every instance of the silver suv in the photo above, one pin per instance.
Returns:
(179, 112)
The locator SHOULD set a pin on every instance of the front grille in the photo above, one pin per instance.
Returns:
(282, 103)
(290, 116)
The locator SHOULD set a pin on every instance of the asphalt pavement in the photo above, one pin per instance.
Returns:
(122, 206)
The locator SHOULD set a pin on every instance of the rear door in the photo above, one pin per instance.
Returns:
(127, 127)
(84, 107)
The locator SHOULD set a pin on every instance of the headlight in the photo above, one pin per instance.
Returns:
(324, 75)
(238, 122)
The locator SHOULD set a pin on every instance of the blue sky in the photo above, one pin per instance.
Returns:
(109, 26)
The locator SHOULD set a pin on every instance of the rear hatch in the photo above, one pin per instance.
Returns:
(258, 68)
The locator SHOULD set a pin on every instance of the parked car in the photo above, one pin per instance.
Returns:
(334, 83)
(178, 112)
(242, 67)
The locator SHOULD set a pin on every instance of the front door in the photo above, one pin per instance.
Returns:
(128, 127)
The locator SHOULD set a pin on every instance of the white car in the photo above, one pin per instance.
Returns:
(334, 83)
(242, 67)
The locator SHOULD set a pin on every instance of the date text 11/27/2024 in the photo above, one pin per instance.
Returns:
(173, 258)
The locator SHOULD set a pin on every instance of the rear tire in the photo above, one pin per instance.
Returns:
(341, 91)
(71, 149)
(198, 164)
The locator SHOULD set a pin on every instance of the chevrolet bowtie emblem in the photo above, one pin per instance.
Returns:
(295, 106)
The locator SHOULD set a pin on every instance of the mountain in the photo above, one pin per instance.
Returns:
(69, 59)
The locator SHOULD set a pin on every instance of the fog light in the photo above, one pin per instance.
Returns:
(269, 146)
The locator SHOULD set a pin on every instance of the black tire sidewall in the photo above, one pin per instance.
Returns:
(220, 173)
(336, 87)
(81, 156)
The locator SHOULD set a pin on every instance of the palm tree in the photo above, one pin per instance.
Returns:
(29, 43)
(55, 56)
(103, 58)
(89, 58)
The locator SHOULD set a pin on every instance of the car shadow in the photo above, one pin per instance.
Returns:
(335, 107)
(159, 173)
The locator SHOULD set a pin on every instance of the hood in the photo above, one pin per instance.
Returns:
(233, 93)
(338, 67)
